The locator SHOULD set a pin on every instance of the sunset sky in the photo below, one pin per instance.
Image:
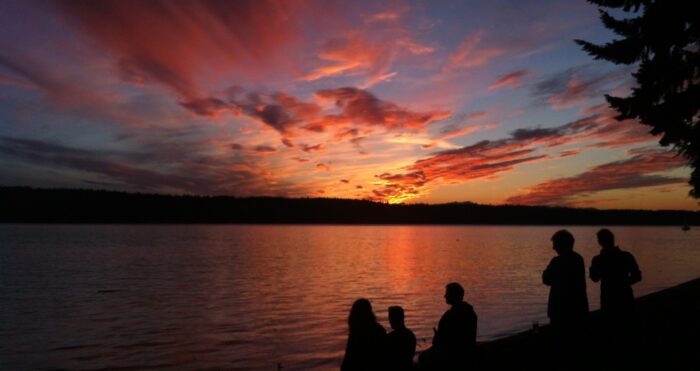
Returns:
(396, 101)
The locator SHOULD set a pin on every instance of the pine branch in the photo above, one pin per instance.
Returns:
(624, 51)
(622, 27)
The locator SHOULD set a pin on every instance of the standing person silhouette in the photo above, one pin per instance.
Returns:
(617, 271)
(567, 308)
(454, 343)
(366, 346)
(401, 343)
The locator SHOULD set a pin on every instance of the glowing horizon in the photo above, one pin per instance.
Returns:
(393, 101)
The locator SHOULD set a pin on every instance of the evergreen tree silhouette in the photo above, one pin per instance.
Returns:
(663, 38)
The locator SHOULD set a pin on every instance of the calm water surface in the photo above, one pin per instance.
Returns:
(254, 297)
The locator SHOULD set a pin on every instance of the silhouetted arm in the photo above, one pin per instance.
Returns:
(348, 358)
(635, 273)
(548, 276)
(594, 271)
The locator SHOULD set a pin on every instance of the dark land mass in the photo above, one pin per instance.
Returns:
(30, 205)
(665, 335)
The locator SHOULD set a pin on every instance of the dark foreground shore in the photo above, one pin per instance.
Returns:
(665, 336)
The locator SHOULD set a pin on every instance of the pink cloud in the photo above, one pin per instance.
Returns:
(386, 16)
(568, 153)
(361, 107)
(171, 42)
(511, 80)
(209, 107)
(469, 55)
(352, 55)
(576, 86)
(635, 172)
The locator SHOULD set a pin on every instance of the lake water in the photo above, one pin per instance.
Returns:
(255, 297)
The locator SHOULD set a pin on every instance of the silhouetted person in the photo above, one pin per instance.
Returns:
(401, 342)
(567, 308)
(454, 343)
(617, 271)
(366, 347)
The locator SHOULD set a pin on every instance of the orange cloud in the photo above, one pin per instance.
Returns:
(487, 159)
(481, 160)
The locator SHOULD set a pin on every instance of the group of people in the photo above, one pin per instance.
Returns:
(369, 347)
(567, 309)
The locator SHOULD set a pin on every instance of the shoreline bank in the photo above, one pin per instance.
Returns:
(665, 333)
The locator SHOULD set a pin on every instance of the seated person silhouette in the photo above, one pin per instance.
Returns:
(366, 346)
(454, 342)
(401, 343)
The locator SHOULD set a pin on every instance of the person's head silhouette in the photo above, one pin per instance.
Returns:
(454, 293)
(562, 241)
(396, 317)
(606, 239)
(361, 315)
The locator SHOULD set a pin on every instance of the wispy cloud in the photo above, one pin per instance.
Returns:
(635, 172)
(171, 42)
(487, 159)
(577, 85)
(510, 81)
(471, 54)
(193, 173)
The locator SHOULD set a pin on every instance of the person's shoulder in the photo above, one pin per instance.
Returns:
(626, 255)
(410, 335)
(404, 332)
(556, 259)
(466, 307)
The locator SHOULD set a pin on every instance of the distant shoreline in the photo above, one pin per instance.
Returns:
(71, 206)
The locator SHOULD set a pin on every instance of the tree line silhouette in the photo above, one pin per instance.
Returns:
(30, 205)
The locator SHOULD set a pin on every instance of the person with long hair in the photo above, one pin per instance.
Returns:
(366, 347)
